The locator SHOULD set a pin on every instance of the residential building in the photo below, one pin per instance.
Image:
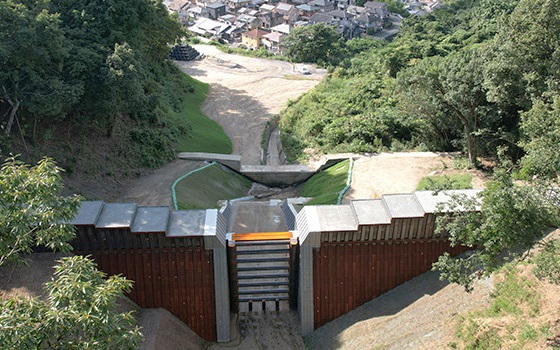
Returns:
(289, 12)
(253, 39)
(323, 5)
(216, 9)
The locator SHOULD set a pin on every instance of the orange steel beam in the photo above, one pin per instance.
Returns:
(261, 236)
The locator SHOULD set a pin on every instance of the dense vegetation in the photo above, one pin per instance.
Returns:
(460, 78)
(79, 310)
(81, 76)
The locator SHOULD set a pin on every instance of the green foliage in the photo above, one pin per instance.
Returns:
(508, 220)
(358, 120)
(541, 140)
(442, 102)
(318, 43)
(78, 313)
(325, 186)
(205, 188)
(92, 66)
(547, 262)
(32, 211)
(206, 135)
(445, 182)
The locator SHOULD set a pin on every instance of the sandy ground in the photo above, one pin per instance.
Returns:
(245, 93)
(400, 173)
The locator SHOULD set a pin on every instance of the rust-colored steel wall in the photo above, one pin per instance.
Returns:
(349, 274)
(173, 273)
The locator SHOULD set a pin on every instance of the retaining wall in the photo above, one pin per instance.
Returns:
(175, 258)
(350, 254)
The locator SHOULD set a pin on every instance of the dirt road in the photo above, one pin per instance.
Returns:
(245, 93)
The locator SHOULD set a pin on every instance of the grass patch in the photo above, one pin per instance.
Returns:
(325, 186)
(206, 135)
(445, 182)
(203, 189)
(511, 321)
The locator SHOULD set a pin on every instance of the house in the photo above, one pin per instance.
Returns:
(356, 10)
(209, 27)
(343, 4)
(234, 5)
(272, 41)
(377, 8)
(322, 5)
(180, 7)
(196, 12)
(320, 17)
(368, 23)
(253, 38)
(177, 5)
(289, 12)
(306, 10)
(281, 28)
(216, 9)
(268, 16)
(247, 22)
(266, 8)
(339, 15)
(228, 18)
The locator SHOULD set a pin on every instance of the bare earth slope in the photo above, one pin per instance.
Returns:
(416, 315)
(245, 93)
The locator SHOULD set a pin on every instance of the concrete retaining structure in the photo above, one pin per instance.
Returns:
(279, 175)
(232, 161)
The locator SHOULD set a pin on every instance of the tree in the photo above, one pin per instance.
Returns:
(33, 57)
(32, 211)
(78, 313)
(448, 92)
(318, 43)
(504, 221)
(540, 128)
(523, 57)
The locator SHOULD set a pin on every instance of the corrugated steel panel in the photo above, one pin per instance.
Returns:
(289, 215)
(179, 280)
(349, 274)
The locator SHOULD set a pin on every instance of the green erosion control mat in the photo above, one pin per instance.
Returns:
(203, 189)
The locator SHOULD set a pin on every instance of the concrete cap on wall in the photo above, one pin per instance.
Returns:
(371, 212)
(88, 213)
(429, 200)
(336, 218)
(403, 206)
(185, 223)
(150, 220)
(116, 215)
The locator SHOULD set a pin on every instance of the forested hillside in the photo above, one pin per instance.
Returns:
(90, 80)
(472, 76)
